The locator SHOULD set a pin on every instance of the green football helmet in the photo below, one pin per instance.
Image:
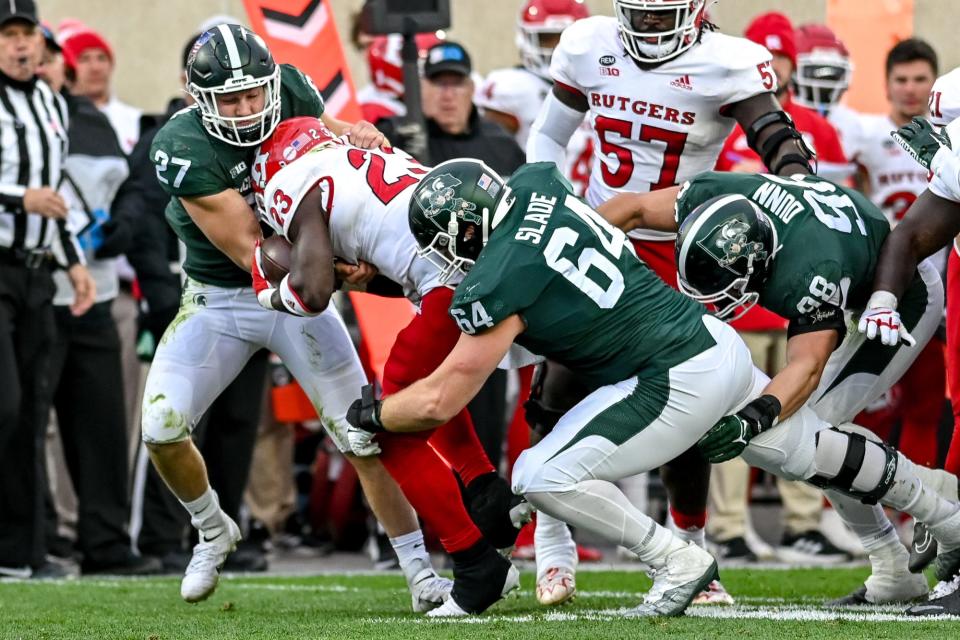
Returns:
(724, 250)
(228, 58)
(451, 213)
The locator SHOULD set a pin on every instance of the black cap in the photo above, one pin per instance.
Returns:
(25, 10)
(49, 38)
(446, 56)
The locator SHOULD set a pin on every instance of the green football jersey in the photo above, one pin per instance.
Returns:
(588, 302)
(828, 239)
(192, 163)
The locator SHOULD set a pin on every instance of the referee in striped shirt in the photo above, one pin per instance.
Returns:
(34, 240)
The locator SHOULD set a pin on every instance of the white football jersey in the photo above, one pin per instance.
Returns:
(895, 178)
(366, 194)
(945, 99)
(387, 101)
(520, 93)
(846, 122)
(658, 127)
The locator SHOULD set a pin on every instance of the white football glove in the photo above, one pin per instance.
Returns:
(361, 442)
(881, 318)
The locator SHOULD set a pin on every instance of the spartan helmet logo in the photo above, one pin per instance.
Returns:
(440, 196)
(728, 242)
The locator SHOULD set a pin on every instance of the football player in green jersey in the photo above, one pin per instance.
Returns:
(549, 273)
(203, 157)
(805, 249)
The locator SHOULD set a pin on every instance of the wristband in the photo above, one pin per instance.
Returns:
(882, 299)
(291, 301)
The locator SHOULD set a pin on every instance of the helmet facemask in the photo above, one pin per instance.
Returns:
(533, 54)
(240, 131)
(665, 43)
(730, 303)
(721, 263)
(452, 214)
(820, 79)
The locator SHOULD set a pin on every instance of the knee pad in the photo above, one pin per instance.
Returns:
(853, 464)
(162, 423)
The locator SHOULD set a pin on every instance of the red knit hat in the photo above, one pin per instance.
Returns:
(75, 37)
(775, 32)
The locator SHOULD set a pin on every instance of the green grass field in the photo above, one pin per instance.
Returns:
(780, 604)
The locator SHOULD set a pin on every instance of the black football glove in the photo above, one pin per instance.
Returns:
(921, 141)
(364, 418)
(729, 437)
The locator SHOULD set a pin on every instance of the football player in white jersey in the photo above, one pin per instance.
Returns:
(512, 96)
(822, 76)
(945, 99)
(383, 97)
(930, 223)
(333, 200)
(663, 91)
(892, 180)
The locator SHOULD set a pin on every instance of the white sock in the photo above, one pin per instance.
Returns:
(599, 506)
(695, 535)
(910, 495)
(553, 544)
(868, 522)
(412, 553)
(205, 513)
(889, 559)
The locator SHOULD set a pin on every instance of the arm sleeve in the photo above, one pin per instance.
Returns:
(945, 167)
(551, 131)
(825, 318)
(946, 176)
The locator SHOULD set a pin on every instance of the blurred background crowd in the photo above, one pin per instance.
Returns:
(106, 510)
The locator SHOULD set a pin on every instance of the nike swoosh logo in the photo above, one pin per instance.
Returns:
(927, 607)
(923, 545)
(205, 539)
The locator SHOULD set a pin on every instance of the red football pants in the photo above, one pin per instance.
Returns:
(952, 463)
(417, 460)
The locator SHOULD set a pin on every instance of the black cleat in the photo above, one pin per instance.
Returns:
(481, 577)
(923, 549)
(944, 605)
(855, 599)
(735, 549)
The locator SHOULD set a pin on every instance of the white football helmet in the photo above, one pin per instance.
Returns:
(544, 17)
(645, 36)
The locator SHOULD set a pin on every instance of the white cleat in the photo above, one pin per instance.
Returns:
(428, 590)
(450, 608)
(558, 585)
(203, 572)
(714, 594)
(687, 572)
